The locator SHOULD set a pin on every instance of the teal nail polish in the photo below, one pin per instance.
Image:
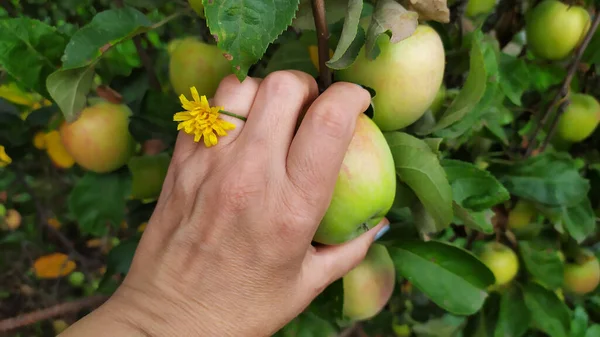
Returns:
(382, 232)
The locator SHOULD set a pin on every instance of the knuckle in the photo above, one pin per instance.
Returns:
(282, 82)
(332, 119)
(240, 187)
(230, 81)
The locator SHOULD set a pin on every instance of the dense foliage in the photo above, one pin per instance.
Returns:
(489, 110)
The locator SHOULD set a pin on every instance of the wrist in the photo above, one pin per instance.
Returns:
(150, 314)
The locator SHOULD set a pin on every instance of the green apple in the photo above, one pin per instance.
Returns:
(406, 77)
(580, 119)
(555, 29)
(99, 139)
(197, 6)
(369, 286)
(501, 260)
(521, 215)
(479, 7)
(365, 188)
(148, 174)
(196, 63)
(583, 275)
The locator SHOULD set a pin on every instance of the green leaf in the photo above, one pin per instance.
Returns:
(579, 220)
(69, 89)
(579, 322)
(98, 201)
(479, 221)
(389, 16)
(544, 265)
(445, 326)
(420, 169)
(514, 317)
(451, 277)
(544, 76)
(548, 313)
(69, 85)
(118, 262)
(548, 178)
(472, 187)
(515, 78)
(593, 331)
(344, 54)
(30, 50)
(307, 324)
(106, 29)
(245, 28)
(292, 55)
(471, 93)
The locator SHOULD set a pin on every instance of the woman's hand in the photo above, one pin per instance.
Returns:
(228, 249)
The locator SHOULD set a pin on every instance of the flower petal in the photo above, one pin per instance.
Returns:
(195, 94)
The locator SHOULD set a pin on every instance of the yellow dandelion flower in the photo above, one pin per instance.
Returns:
(4, 158)
(201, 120)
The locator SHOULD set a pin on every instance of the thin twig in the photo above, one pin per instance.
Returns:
(318, 9)
(147, 62)
(563, 92)
(54, 311)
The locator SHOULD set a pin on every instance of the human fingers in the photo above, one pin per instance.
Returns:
(329, 263)
(277, 106)
(319, 147)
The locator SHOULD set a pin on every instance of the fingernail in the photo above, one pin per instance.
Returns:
(382, 232)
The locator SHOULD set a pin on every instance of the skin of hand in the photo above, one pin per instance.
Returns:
(227, 251)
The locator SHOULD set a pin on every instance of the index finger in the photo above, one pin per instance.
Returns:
(319, 147)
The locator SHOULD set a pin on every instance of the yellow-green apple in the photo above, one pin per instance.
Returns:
(479, 7)
(580, 119)
(194, 63)
(99, 139)
(197, 6)
(369, 286)
(501, 260)
(406, 77)
(521, 215)
(365, 187)
(554, 29)
(583, 275)
(148, 174)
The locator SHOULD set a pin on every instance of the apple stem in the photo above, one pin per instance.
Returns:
(562, 95)
(318, 9)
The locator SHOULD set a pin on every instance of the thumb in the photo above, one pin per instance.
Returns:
(337, 261)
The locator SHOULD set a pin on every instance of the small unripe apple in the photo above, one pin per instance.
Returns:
(521, 215)
(99, 139)
(580, 119)
(369, 286)
(555, 29)
(479, 7)
(501, 260)
(76, 279)
(406, 77)
(194, 63)
(365, 187)
(148, 174)
(2, 210)
(583, 275)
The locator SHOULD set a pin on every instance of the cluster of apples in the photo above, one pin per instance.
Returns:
(581, 267)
